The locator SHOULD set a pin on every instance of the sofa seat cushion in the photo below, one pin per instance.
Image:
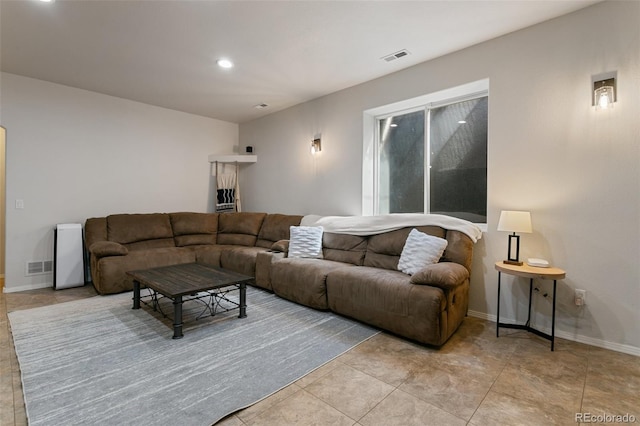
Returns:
(388, 300)
(111, 271)
(209, 254)
(303, 280)
(240, 259)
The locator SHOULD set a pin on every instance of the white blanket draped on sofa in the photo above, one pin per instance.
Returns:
(370, 225)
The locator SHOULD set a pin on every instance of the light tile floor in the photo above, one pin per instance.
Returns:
(474, 379)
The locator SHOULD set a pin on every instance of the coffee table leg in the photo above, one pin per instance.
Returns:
(136, 294)
(243, 300)
(177, 317)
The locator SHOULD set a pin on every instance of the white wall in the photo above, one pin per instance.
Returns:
(74, 154)
(576, 169)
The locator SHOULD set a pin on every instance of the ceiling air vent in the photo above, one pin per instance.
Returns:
(396, 55)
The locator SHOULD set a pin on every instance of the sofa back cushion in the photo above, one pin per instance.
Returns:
(191, 229)
(344, 248)
(95, 229)
(140, 231)
(275, 228)
(239, 228)
(459, 249)
(384, 250)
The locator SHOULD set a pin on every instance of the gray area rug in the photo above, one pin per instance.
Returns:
(98, 362)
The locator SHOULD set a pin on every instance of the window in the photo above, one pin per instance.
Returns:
(429, 155)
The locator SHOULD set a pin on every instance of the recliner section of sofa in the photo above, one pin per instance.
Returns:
(357, 276)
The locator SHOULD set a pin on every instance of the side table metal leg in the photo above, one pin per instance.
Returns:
(498, 310)
(530, 297)
(553, 317)
(243, 300)
(177, 317)
(136, 294)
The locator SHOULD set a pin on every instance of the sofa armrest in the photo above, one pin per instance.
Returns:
(107, 248)
(281, 246)
(446, 275)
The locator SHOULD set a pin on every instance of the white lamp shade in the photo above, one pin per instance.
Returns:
(515, 221)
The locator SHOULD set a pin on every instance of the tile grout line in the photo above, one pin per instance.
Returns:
(506, 363)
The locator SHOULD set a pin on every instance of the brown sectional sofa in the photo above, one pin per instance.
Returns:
(357, 277)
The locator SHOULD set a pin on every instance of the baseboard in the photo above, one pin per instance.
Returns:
(618, 347)
(26, 287)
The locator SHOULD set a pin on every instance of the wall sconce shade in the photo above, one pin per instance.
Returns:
(604, 93)
(514, 221)
(316, 146)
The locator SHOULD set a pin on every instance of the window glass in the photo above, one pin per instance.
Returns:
(401, 170)
(458, 172)
(434, 160)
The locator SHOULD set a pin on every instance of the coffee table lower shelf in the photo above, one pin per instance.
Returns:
(202, 283)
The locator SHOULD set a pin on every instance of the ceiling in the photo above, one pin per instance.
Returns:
(285, 52)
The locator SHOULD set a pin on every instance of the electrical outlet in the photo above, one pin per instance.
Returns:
(580, 297)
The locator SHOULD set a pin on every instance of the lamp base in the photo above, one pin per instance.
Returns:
(513, 262)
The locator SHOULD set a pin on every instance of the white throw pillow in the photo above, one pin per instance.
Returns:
(305, 241)
(420, 250)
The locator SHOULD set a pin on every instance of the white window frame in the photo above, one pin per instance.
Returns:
(370, 154)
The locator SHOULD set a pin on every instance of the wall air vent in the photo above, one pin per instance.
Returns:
(39, 267)
(396, 55)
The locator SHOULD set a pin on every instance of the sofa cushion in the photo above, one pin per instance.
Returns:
(384, 250)
(240, 259)
(95, 229)
(305, 242)
(344, 248)
(239, 228)
(194, 228)
(209, 254)
(132, 228)
(387, 299)
(276, 228)
(459, 250)
(420, 250)
(303, 280)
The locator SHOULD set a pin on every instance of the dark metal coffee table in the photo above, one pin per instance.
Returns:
(191, 281)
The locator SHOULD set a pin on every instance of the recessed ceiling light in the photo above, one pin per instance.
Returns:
(461, 122)
(47, 1)
(225, 63)
(393, 125)
(260, 106)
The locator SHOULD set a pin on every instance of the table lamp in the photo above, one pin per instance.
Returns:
(514, 221)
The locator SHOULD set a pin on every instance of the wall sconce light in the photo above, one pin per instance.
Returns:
(316, 146)
(604, 93)
(514, 221)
